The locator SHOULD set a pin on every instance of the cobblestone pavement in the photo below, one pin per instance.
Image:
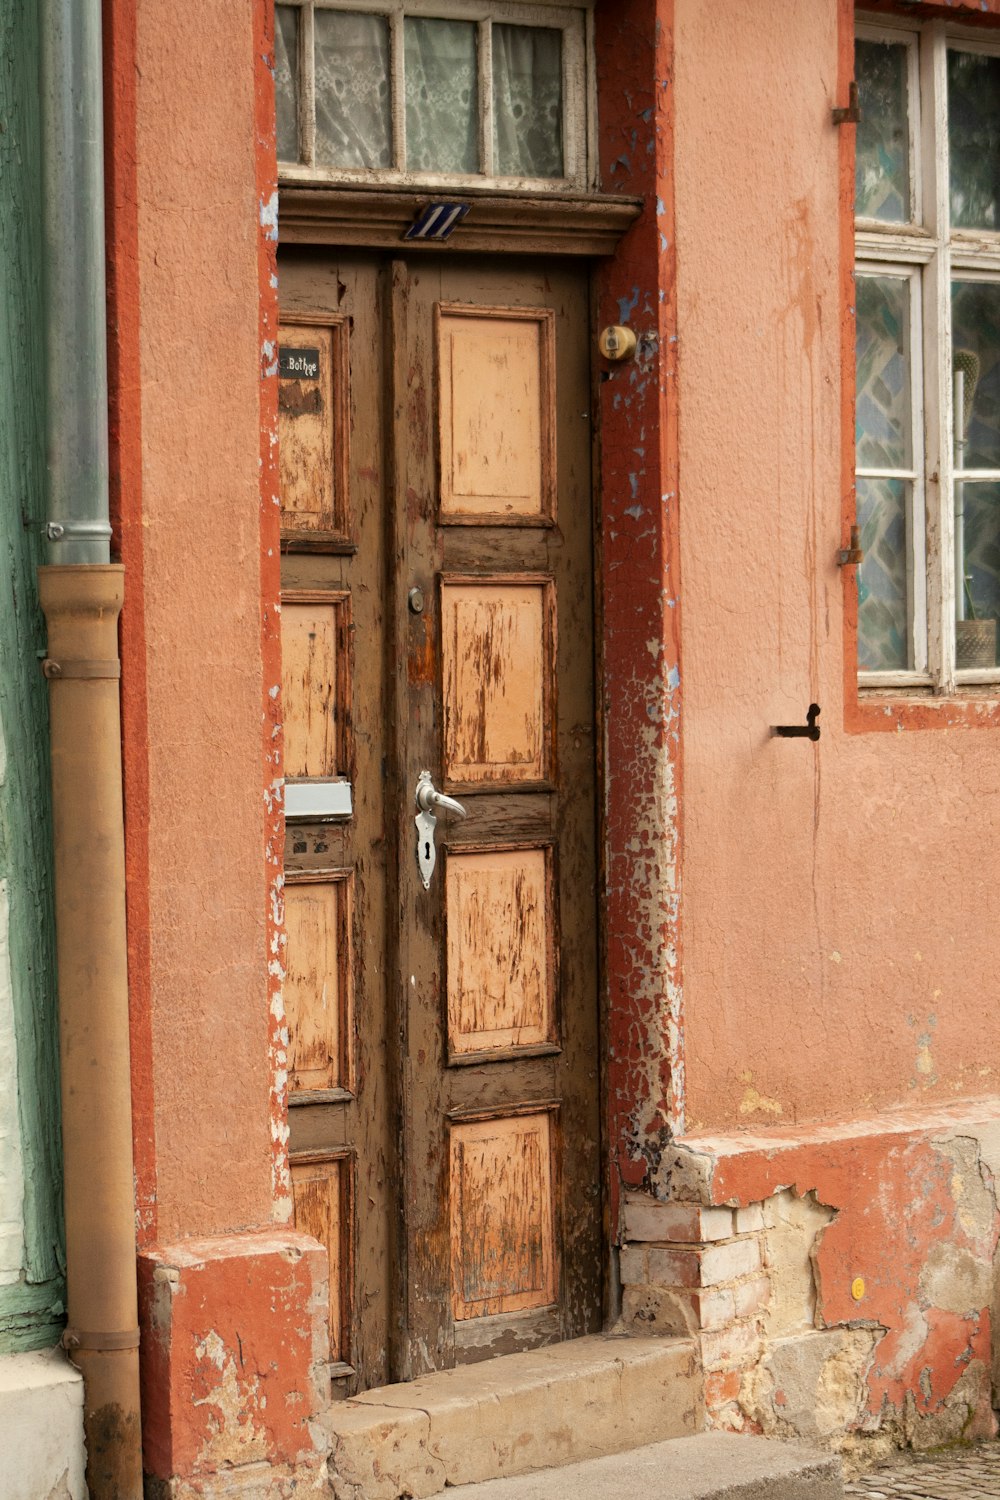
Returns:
(969, 1473)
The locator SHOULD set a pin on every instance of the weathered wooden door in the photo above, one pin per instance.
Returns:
(438, 622)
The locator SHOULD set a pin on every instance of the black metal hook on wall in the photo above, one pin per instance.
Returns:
(807, 731)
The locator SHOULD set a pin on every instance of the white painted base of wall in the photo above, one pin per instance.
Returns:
(41, 1427)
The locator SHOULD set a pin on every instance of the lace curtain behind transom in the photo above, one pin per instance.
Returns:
(439, 67)
(286, 67)
(348, 77)
(353, 114)
(527, 101)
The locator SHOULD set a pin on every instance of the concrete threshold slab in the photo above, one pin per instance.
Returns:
(564, 1404)
(712, 1466)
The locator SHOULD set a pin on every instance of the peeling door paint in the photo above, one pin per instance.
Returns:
(11, 1156)
(642, 666)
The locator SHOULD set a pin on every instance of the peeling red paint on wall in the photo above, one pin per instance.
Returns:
(641, 589)
(236, 1352)
(907, 1254)
(270, 588)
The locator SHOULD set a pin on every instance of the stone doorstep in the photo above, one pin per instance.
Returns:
(41, 1427)
(711, 1466)
(564, 1404)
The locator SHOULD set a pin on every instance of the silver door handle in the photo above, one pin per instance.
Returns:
(429, 800)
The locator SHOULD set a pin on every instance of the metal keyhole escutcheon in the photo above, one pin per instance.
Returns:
(429, 801)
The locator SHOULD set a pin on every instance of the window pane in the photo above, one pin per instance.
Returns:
(286, 73)
(883, 372)
(882, 171)
(441, 96)
(353, 117)
(527, 101)
(883, 614)
(974, 139)
(977, 522)
(975, 342)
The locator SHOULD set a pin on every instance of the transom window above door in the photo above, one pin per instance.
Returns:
(432, 93)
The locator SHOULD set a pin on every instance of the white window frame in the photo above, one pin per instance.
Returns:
(929, 252)
(579, 90)
(914, 476)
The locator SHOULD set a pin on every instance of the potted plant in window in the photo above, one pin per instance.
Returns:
(975, 639)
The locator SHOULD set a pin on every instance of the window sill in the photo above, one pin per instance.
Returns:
(879, 707)
(377, 218)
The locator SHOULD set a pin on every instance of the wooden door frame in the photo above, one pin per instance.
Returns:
(397, 793)
(636, 486)
(631, 240)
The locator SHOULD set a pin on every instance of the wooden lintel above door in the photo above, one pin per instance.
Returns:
(558, 224)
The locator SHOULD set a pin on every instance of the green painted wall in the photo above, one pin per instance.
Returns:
(30, 1310)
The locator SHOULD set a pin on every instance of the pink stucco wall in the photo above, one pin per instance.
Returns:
(839, 901)
(198, 226)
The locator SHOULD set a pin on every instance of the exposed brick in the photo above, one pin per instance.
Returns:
(659, 1309)
(675, 1309)
(632, 1265)
(702, 1265)
(722, 1386)
(737, 1346)
(675, 1223)
(675, 1267)
(749, 1219)
(751, 1296)
(724, 1262)
(728, 1419)
(715, 1307)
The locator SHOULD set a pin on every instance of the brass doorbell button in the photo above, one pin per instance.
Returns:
(616, 342)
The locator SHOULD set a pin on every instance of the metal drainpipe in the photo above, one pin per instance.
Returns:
(81, 595)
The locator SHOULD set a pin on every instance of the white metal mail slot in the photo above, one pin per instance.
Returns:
(318, 799)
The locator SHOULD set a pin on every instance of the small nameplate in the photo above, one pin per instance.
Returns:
(298, 364)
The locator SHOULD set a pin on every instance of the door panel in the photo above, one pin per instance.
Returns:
(316, 682)
(496, 414)
(499, 1102)
(322, 1200)
(314, 430)
(342, 1119)
(319, 982)
(500, 951)
(497, 660)
(438, 616)
(503, 1253)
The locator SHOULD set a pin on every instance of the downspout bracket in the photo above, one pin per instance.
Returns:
(77, 1338)
(95, 530)
(54, 669)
